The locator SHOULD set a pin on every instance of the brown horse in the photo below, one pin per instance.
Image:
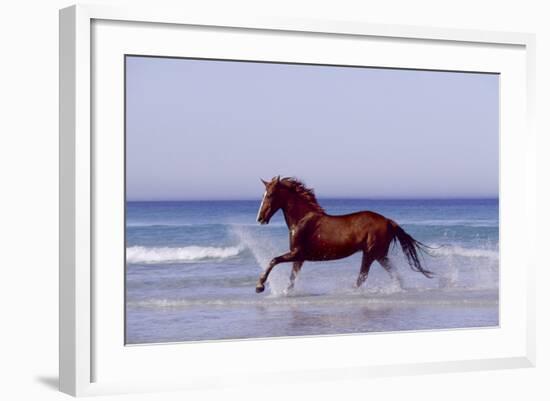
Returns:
(317, 236)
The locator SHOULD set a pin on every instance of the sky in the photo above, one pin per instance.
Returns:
(205, 129)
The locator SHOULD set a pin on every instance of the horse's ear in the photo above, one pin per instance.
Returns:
(278, 179)
(264, 182)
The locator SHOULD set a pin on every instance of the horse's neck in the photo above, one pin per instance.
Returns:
(295, 210)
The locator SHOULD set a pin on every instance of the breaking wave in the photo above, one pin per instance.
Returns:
(141, 254)
(455, 250)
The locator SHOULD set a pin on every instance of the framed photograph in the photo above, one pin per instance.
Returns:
(356, 198)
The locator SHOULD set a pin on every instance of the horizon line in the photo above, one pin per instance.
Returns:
(483, 197)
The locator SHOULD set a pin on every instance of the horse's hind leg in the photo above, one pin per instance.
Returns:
(366, 262)
(386, 263)
(296, 266)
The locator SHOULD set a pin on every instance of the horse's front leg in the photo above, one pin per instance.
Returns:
(295, 270)
(287, 257)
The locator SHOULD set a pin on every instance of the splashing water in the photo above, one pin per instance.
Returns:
(264, 248)
(455, 266)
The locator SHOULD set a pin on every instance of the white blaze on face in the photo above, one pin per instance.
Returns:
(261, 206)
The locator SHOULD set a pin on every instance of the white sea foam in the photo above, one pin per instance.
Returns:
(141, 254)
(455, 250)
(357, 297)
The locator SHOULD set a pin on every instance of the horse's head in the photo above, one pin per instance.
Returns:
(272, 200)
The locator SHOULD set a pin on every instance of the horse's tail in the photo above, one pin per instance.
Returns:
(411, 249)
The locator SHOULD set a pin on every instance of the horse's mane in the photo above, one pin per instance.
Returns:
(304, 192)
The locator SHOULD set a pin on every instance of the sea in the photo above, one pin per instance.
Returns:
(192, 267)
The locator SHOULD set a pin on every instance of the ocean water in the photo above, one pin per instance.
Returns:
(192, 267)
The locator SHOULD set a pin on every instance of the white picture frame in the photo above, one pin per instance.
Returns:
(86, 351)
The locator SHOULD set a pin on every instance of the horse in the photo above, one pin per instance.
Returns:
(315, 235)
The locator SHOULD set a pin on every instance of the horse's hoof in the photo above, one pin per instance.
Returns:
(260, 288)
